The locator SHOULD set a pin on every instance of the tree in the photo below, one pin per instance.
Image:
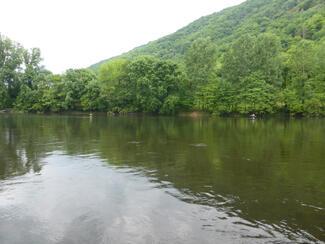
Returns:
(238, 62)
(93, 99)
(255, 95)
(200, 61)
(4, 99)
(251, 95)
(75, 82)
(267, 59)
(217, 97)
(112, 71)
(10, 67)
(300, 64)
(306, 67)
(149, 85)
(251, 54)
(27, 99)
(32, 69)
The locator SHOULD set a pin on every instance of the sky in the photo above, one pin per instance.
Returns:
(78, 33)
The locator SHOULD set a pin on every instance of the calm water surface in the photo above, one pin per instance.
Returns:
(72, 179)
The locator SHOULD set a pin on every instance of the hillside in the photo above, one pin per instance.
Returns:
(260, 57)
(288, 19)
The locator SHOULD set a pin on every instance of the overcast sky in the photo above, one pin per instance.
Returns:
(78, 33)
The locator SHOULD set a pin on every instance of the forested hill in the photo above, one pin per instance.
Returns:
(288, 19)
(261, 57)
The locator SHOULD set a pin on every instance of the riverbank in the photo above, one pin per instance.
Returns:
(189, 114)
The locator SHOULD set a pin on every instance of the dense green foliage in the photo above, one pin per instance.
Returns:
(148, 85)
(259, 57)
(290, 20)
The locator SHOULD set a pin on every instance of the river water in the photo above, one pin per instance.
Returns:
(80, 179)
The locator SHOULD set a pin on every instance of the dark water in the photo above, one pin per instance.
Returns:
(72, 179)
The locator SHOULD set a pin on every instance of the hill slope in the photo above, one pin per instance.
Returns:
(286, 18)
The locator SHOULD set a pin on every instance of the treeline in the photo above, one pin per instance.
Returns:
(256, 74)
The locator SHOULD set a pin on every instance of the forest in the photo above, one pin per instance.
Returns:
(262, 57)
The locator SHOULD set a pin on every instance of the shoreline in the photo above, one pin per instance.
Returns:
(186, 114)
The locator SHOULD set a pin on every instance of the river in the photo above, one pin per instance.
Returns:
(141, 179)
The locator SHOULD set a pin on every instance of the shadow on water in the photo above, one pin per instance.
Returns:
(268, 173)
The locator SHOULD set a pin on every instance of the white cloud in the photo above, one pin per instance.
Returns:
(78, 33)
